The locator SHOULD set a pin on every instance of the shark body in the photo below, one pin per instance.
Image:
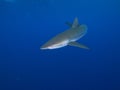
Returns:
(68, 37)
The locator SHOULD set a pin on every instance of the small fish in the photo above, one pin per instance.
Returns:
(68, 37)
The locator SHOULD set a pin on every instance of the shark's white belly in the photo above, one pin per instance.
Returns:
(59, 45)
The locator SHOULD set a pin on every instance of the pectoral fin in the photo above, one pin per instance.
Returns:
(76, 44)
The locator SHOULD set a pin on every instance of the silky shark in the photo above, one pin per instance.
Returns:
(68, 37)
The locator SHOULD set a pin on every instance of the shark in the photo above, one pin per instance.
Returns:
(68, 37)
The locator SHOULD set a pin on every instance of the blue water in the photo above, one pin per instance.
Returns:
(25, 25)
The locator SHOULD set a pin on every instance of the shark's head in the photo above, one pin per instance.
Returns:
(46, 45)
(54, 44)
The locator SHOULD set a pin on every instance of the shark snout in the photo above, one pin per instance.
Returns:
(47, 45)
(44, 47)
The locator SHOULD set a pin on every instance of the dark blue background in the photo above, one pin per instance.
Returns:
(27, 24)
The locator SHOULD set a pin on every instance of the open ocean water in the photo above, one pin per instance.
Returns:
(25, 25)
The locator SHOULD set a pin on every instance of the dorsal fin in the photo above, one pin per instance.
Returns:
(75, 23)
